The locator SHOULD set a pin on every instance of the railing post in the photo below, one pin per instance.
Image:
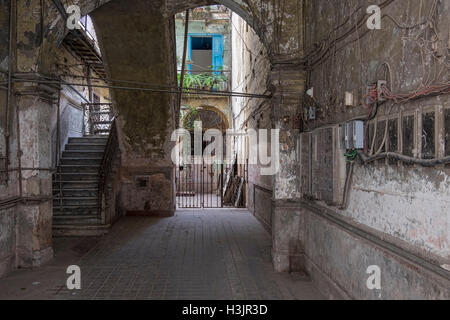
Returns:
(83, 130)
(58, 129)
(106, 167)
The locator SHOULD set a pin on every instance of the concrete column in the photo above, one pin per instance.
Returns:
(30, 118)
(138, 45)
(35, 104)
(288, 85)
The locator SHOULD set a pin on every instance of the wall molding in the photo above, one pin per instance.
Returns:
(379, 240)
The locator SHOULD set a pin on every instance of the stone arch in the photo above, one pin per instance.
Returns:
(258, 14)
(217, 111)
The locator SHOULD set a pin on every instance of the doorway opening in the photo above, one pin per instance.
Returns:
(222, 56)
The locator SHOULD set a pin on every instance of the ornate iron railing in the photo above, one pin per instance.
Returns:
(97, 119)
(107, 166)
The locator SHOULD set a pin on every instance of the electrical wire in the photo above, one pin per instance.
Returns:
(172, 90)
(406, 159)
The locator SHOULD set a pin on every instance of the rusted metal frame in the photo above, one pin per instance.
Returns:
(19, 151)
(222, 182)
(58, 148)
(106, 166)
(183, 63)
(9, 87)
(58, 128)
(83, 129)
(78, 35)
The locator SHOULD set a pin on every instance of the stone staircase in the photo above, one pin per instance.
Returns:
(76, 209)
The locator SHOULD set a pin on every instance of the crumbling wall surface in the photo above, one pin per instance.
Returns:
(275, 22)
(410, 203)
(418, 212)
(338, 261)
(407, 204)
(251, 66)
(137, 45)
(8, 183)
(7, 240)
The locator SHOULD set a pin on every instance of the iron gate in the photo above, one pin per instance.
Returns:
(200, 185)
(211, 185)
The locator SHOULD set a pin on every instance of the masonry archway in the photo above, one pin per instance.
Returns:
(251, 11)
(136, 45)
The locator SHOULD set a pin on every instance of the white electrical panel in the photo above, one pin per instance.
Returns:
(349, 101)
(354, 135)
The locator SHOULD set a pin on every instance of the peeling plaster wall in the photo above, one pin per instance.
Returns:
(277, 23)
(7, 240)
(403, 205)
(410, 203)
(337, 261)
(138, 44)
(251, 67)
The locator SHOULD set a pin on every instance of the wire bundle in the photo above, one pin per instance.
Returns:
(399, 98)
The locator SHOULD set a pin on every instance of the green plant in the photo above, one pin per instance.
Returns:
(205, 80)
(190, 117)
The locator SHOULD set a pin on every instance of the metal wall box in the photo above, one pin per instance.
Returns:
(354, 135)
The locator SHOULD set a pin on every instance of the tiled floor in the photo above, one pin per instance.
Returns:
(198, 254)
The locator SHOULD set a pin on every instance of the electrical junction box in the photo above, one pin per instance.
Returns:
(310, 113)
(349, 100)
(354, 135)
(380, 85)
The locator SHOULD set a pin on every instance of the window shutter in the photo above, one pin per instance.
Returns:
(217, 53)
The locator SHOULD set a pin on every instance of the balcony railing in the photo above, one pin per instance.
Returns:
(98, 118)
(209, 80)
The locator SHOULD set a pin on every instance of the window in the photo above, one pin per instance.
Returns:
(204, 51)
(393, 138)
(408, 135)
(447, 131)
(428, 139)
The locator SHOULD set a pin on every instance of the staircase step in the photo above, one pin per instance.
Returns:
(75, 210)
(79, 168)
(76, 201)
(81, 154)
(85, 184)
(76, 193)
(84, 161)
(89, 140)
(84, 146)
(76, 176)
(104, 131)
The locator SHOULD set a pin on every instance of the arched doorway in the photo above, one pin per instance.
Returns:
(199, 180)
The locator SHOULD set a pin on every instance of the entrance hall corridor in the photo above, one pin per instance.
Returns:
(198, 254)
